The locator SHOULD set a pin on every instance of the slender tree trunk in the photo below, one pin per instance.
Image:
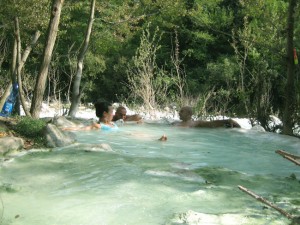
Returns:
(21, 62)
(290, 92)
(72, 73)
(13, 78)
(5, 95)
(15, 68)
(18, 69)
(76, 93)
(43, 72)
(14, 58)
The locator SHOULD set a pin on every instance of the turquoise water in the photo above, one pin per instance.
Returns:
(145, 181)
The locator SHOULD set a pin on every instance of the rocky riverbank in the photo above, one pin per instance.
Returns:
(12, 142)
(9, 140)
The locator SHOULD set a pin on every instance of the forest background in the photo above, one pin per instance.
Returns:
(224, 57)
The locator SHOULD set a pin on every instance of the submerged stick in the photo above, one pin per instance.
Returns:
(289, 156)
(261, 199)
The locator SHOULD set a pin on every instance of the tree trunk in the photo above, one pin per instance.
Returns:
(289, 108)
(13, 78)
(14, 59)
(43, 72)
(76, 93)
(21, 62)
(5, 95)
(18, 70)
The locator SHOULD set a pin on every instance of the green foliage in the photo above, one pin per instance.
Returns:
(146, 79)
(232, 52)
(223, 73)
(30, 128)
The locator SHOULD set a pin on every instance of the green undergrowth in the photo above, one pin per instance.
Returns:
(31, 128)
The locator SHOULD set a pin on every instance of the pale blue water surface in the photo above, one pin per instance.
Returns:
(145, 181)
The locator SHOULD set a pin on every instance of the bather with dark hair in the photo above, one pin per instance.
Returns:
(104, 111)
(101, 107)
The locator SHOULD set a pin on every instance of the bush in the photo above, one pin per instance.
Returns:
(29, 127)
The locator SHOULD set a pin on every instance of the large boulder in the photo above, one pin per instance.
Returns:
(9, 144)
(57, 138)
(69, 122)
(62, 122)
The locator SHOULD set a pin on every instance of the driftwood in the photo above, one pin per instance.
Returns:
(261, 199)
(289, 156)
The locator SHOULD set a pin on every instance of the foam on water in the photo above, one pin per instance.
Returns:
(190, 179)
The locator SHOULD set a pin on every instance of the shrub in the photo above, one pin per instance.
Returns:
(29, 127)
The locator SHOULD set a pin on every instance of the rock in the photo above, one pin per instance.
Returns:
(258, 128)
(9, 144)
(56, 137)
(62, 121)
(68, 122)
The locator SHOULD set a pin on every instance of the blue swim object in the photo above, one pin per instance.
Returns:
(10, 101)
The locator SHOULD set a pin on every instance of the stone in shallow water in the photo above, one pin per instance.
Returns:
(258, 128)
(9, 144)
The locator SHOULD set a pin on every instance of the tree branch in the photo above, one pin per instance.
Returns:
(289, 156)
(261, 199)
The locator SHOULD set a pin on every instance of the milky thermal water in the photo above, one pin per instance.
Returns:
(191, 178)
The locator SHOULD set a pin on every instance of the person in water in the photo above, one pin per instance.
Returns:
(121, 113)
(185, 115)
(104, 111)
(163, 138)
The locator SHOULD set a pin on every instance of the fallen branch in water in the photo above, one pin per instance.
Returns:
(261, 199)
(289, 156)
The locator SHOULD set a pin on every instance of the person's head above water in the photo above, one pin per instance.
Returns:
(104, 111)
(120, 113)
(185, 113)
